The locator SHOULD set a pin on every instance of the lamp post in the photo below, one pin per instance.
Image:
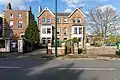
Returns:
(55, 28)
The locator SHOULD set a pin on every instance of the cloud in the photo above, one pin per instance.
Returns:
(17, 4)
(78, 3)
(68, 10)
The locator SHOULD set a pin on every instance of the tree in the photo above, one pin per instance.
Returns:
(103, 20)
(32, 31)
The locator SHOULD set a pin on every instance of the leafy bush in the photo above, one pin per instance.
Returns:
(80, 51)
(118, 52)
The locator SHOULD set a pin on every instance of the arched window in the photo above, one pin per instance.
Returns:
(74, 20)
(79, 20)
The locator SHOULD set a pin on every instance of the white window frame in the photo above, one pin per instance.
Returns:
(65, 20)
(79, 30)
(50, 31)
(58, 30)
(49, 20)
(75, 20)
(43, 20)
(19, 15)
(11, 24)
(20, 22)
(75, 32)
(44, 29)
(58, 20)
(11, 15)
(65, 31)
(79, 19)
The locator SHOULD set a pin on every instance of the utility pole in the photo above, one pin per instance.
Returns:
(55, 28)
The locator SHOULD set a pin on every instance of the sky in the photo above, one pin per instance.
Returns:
(63, 5)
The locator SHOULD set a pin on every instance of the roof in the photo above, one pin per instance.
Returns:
(18, 10)
(63, 14)
(39, 14)
(78, 10)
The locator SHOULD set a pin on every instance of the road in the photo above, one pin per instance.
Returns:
(46, 69)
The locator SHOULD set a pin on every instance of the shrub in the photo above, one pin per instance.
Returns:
(118, 52)
(80, 51)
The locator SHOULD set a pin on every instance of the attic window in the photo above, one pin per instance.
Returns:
(79, 20)
(74, 20)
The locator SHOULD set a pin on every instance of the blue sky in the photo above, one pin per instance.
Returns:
(63, 5)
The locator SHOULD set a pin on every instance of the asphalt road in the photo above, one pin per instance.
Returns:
(45, 69)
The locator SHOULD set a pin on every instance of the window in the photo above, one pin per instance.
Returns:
(21, 34)
(11, 15)
(79, 20)
(65, 30)
(48, 30)
(11, 24)
(80, 30)
(43, 30)
(75, 30)
(74, 20)
(65, 38)
(44, 20)
(79, 39)
(44, 41)
(49, 20)
(48, 40)
(58, 20)
(65, 20)
(19, 15)
(19, 24)
(58, 30)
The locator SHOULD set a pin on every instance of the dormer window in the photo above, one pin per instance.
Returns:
(74, 20)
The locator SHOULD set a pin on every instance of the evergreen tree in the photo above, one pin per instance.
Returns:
(32, 31)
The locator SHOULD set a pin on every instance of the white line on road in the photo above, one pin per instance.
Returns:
(90, 69)
(8, 67)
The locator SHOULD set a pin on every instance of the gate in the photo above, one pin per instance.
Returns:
(68, 47)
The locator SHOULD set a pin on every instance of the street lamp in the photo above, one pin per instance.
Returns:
(55, 28)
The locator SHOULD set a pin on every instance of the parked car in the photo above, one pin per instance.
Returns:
(109, 45)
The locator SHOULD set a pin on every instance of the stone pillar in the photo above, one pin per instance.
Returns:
(7, 45)
(63, 48)
(75, 48)
(80, 45)
(49, 49)
(20, 45)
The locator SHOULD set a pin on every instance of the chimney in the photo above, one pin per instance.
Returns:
(80, 8)
(40, 9)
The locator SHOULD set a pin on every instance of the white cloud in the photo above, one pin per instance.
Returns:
(78, 3)
(68, 10)
(17, 4)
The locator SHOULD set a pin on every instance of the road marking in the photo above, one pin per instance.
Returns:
(8, 67)
(90, 69)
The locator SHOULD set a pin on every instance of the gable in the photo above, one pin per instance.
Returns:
(77, 10)
(46, 10)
